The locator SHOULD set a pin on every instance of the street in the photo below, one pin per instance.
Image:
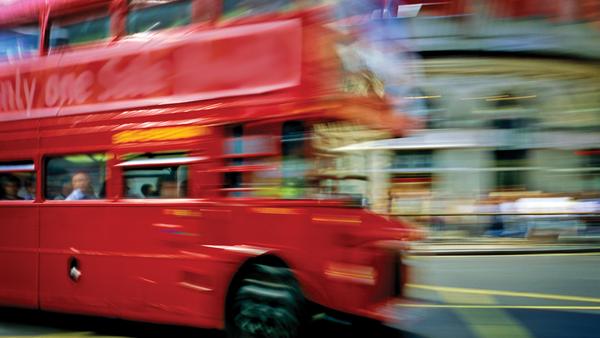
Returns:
(547, 295)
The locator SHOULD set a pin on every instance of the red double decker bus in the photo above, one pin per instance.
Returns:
(159, 162)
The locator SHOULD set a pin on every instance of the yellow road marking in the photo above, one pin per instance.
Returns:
(493, 323)
(504, 293)
(526, 307)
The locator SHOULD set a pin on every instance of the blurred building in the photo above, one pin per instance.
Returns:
(509, 93)
(505, 124)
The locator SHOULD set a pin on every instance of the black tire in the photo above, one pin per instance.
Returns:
(267, 303)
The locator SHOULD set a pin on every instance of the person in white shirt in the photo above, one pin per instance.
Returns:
(82, 188)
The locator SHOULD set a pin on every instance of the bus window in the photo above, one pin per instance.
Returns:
(76, 177)
(233, 180)
(65, 32)
(295, 165)
(17, 180)
(145, 18)
(158, 175)
(239, 8)
(19, 42)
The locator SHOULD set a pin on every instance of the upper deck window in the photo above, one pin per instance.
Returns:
(238, 8)
(80, 30)
(146, 17)
(19, 42)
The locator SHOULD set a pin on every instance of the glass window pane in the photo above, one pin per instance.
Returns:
(18, 183)
(237, 8)
(153, 18)
(76, 177)
(83, 31)
(156, 181)
(295, 166)
(19, 42)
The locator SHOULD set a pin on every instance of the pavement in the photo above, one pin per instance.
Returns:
(444, 245)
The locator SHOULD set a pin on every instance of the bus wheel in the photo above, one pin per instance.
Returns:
(267, 303)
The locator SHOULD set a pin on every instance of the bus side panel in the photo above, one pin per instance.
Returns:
(19, 243)
(287, 231)
(78, 231)
(167, 276)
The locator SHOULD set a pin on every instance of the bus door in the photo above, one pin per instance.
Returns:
(18, 234)
(164, 274)
(78, 271)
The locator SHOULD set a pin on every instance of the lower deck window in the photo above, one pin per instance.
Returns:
(17, 181)
(76, 177)
(155, 176)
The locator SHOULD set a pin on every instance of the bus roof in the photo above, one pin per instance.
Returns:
(26, 11)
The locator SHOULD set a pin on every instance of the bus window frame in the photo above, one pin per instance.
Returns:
(145, 5)
(161, 162)
(109, 156)
(294, 5)
(193, 159)
(82, 16)
(33, 170)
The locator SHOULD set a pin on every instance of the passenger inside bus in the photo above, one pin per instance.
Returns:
(168, 188)
(27, 192)
(82, 188)
(147, 191)
(10, 188)
(65, 190)
(183, 189)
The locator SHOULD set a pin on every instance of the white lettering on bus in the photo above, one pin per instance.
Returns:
(11, 94)
(69, 88)
(124, 80)
(118, 79)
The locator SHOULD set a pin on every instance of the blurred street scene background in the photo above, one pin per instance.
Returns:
(508, 98)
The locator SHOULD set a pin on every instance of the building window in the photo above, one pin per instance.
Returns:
(511, 166)
(145, 18)
(76, 177)
(413, 160)
(17, 180)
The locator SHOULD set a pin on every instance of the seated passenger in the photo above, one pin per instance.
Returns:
(183, 189)
(147, 191)
(82, 188)
(28, 190)
(65, 191)
(10, 188)
(168, 189)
